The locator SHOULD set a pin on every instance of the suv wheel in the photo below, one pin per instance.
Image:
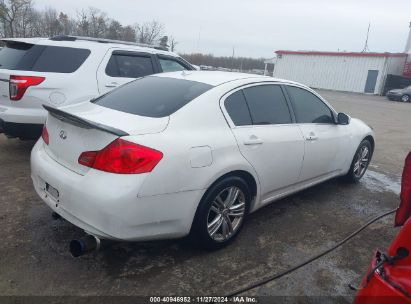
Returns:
(221, 213)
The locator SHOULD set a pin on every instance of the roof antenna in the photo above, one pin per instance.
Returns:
(366, 49)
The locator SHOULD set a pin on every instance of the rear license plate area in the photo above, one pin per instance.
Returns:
(53, 192)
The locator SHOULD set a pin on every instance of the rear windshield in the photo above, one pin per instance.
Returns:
(41, 58)
(153, 96)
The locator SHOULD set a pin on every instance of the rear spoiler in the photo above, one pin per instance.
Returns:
(81, 122)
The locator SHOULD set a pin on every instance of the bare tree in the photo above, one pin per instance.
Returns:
(128, 33)
(98, 22)
(52, 26)
(66, 23)
(13, 14)
(82, 23)
(149, 32)
(114, 30)
(18, 18)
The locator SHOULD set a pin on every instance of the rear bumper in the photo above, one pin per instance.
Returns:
(108, 205)
(24, 131)
(25, 123)
(22, 115)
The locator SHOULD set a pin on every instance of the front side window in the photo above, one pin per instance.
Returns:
(237, 108)
(170, 65)
(267, 105)
(308, 107)
(129, 66)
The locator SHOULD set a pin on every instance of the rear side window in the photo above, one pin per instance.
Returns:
(153, 96)
(308, 107)
(237, 108)
(60, 59)
(41, 58)
(129, 66)
(267, 105)
(170, 65)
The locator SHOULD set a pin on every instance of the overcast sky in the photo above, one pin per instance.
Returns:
(256, 28)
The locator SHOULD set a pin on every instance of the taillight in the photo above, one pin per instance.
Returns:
(45, 135)
(122, 157)
(19, 84)
(404, 210)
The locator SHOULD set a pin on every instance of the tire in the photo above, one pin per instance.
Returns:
(360, 162)
(213, 210)
(405, 98)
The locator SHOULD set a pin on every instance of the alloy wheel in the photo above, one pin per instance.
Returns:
(361, 161)
(226, 214)
(405, 98)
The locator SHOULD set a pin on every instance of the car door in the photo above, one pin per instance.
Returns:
(326, 143)
(262, 124)
(120, 66)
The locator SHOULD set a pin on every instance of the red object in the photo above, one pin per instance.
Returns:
(392, 282)
(404, 211)
(122, 157)
(407, 68)
(350, 54)
(19, 84)
(45, 135)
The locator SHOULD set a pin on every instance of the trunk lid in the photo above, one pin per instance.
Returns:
(89, 127)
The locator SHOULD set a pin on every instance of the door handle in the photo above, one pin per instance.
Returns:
(253, 140)
(112, 85)
(311, 137)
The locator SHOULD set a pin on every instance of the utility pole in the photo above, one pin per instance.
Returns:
(232, 59)
(366, 49)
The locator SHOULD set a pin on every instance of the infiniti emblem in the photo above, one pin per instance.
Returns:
(63, 134)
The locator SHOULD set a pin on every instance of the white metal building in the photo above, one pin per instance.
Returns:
(341, 71)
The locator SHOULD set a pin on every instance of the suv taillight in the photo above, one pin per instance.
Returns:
(122, 157)
(19, 84)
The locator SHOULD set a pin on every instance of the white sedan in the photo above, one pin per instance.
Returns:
(191, 153)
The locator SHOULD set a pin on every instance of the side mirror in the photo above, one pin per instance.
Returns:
(343, 119)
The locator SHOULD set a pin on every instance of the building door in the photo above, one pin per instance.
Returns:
(371, 81)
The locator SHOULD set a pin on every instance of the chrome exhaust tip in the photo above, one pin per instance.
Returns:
(85, 245)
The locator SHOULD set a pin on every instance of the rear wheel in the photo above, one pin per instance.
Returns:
(405, 98)
(221, 213)
(360, 161)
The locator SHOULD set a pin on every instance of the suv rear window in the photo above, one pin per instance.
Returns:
(153, 96)
(41, 58)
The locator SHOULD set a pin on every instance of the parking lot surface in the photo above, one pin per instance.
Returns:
(34, 257)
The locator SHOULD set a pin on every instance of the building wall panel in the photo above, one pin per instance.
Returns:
(342, 73)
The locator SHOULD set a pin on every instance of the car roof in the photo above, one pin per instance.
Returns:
(79, 43)
(216, 78)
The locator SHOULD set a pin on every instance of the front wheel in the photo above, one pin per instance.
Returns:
(360, 161)
(405, 98)
(221, 213)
